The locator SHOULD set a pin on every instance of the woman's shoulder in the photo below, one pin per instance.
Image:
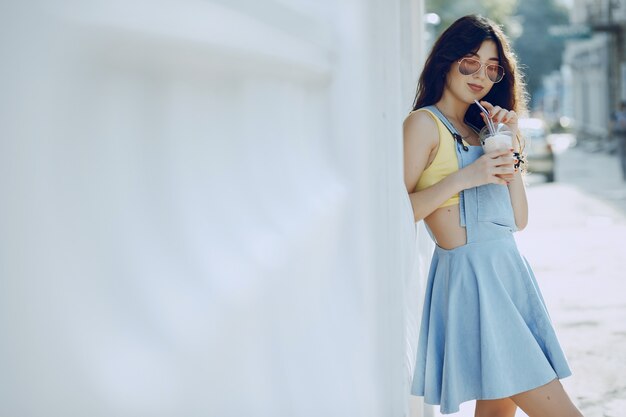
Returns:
(421, 113)
(421, 125)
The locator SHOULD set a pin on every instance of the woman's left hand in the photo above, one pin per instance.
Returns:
(500, 115)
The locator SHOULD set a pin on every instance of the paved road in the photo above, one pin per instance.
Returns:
(575, 243)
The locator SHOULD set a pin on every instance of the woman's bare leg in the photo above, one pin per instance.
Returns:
(549, 400)
(503, 407)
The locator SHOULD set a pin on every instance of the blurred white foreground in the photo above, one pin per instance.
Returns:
(203, 211)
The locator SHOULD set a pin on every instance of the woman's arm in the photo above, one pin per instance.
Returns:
(515, 181)
(429, 199)
(421, 136)
(517, 190)
(518, 200)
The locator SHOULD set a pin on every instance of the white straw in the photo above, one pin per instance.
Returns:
(490, 124)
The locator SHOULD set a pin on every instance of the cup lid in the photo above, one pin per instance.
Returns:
(501, 128)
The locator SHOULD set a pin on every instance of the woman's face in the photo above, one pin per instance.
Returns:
(468, 88)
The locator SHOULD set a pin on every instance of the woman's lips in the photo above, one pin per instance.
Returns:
(475, 87)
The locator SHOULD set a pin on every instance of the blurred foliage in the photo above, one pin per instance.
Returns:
(499, 11)
(539, 53)
(526, 23)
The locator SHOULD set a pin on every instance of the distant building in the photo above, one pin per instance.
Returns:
(593, 67)
(551, 98)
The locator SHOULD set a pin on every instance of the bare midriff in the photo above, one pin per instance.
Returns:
(444, 224)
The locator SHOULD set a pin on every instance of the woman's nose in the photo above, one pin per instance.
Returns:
(481, 73)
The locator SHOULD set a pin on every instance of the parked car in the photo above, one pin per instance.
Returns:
(539, 150)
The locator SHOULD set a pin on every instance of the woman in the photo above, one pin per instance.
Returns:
(485, 331)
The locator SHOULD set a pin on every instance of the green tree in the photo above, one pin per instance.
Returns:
(538, 52)
(500, 11)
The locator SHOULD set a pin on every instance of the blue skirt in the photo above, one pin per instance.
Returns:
(485, 330)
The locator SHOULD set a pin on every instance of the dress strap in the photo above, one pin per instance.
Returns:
(455, 134)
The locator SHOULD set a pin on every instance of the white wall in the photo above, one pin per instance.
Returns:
(203, 208)
(587, 70)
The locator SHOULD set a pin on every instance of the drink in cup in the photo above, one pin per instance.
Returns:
(501, 139)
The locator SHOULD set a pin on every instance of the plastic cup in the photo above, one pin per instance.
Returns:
(500, 140)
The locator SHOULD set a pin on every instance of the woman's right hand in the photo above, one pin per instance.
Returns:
(489, 168)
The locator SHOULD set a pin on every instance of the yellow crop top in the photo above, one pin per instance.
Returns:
(445, 162)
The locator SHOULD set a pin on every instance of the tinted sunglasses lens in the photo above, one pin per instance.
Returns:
(468, 66)
(495, 73)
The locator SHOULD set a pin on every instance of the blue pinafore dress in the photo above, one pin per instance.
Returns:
(485, 331)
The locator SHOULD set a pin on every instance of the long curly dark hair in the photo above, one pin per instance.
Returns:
(463, 37)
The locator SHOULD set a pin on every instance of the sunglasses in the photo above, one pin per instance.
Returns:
(469, 66)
